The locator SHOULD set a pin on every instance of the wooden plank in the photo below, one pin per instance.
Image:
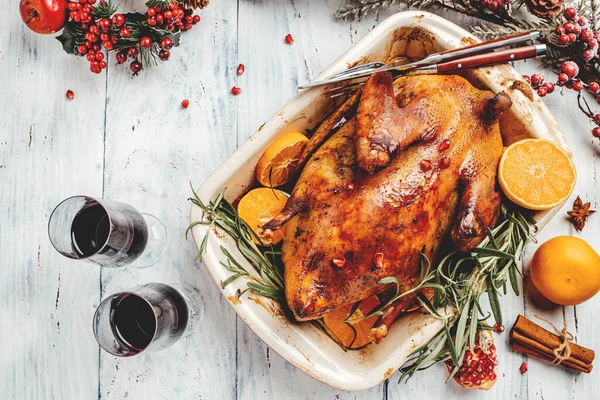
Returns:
(46, 301)
(154, 148)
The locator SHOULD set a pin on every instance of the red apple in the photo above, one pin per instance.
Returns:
(44, 16)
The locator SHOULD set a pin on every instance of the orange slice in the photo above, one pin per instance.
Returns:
(536, 174)
(335, 322)
(279, 162)
(260, 206)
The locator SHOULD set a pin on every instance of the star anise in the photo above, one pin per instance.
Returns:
(580, 213)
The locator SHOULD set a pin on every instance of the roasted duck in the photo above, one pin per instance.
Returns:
(417, 163)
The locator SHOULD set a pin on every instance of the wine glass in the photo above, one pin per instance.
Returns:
(106, 232)
(148, 317)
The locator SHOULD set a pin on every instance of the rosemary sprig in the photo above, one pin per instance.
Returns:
(221, 214)
(464, 277)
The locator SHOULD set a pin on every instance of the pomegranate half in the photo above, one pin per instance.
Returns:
(478, 369)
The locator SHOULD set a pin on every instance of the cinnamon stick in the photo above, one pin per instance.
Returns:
(530, 338)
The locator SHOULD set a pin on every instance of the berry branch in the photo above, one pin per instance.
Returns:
(145, 38)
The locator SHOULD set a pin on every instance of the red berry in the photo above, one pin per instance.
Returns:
(164, 55)
(582, 21)
(133, 52)
(121, 57)
(105, 24)
(96, 48)
(578, 86)
(135, 67)
(289, 39)
(597, 119)
(572, 37)
(598, 100)
(593, 87)
(587, 55)
(73, 6)
(576, 29)
(537, 79)
(99, 56)
(562, 77)
(570, 68)
(527, 79)
(95, 70)
(189, 19)
(104, 37)
(95, 64)
(596, 132)
(196, 19)
(70, 94)
(570, 13)
(151, 12)
(102, 64)
(592, 43)
(560, 30)
(568, 27)
(236, 91)
(564, 38)
(587, 34)
(160, 19)
(146, 42)
(542, 91)
(549, 87)
(91, 56)
(108, 45)
(124, 32)
(523, 368)
(240, 69)
(82, 49)
(185, 103)
(167, 43)
(151, 21)
(168, 14)
(118, 19)
(188, 27)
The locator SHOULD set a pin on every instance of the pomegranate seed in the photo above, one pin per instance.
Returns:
(289, 39)
(468, 356)
(444, 145)
(425, 165)
(523, 368)
(473, 364)
(339, 262)
(445, 163)
(351, 186)
(240, 69)
(476, 381)
(499, 328)
(185, 103)
(236, 91)
(70, 94)
(493, 377)
(379, 260)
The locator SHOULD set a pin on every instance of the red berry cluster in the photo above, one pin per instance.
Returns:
(497, 6)
(99, 33)
(578, 32)
(567, 78)
(171, 17)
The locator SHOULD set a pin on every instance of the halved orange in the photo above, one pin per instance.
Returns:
(359, 337)
(279, 162)
(260, 206)
(536, 174)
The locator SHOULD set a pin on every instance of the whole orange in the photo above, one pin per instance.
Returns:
(566, 270)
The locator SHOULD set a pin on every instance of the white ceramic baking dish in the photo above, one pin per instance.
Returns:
(412, 33)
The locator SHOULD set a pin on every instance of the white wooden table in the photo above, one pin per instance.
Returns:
(128, 139)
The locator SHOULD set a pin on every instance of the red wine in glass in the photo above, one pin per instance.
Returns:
(105, 232)
(150, 316)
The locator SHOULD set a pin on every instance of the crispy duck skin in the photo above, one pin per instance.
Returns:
(418, 162)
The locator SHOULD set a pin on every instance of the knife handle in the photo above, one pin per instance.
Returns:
(498, 57)
(485, 47)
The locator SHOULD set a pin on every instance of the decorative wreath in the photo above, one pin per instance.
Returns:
(89, 27)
